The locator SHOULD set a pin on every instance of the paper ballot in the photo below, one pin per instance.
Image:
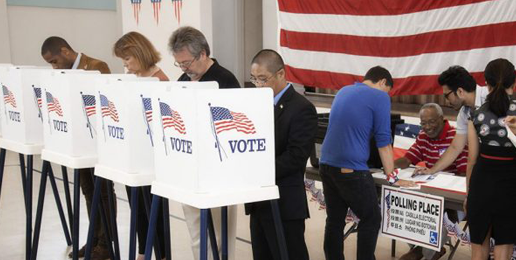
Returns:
(451, 183)
(511, 135)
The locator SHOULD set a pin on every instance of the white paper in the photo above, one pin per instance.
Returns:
(448, 182)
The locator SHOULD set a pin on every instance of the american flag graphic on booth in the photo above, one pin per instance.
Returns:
(53, 105)
(147, 105)
(89, 104)
(225, 120)
(171, 118)
(37, 92)
(108, 108)
(8, 96)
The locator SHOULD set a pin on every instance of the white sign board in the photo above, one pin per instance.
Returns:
(21, 119)
(413, 217)
(214, 140)
(69, 112)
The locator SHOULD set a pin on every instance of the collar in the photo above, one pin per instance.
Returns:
(444, 132)
(278, 97)
(77, 61)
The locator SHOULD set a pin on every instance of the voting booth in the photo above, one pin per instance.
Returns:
(21, 120)
(69, 116)
(126, 134)
(214, 147)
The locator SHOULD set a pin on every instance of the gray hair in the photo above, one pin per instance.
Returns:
(190, 38)
(434, 106)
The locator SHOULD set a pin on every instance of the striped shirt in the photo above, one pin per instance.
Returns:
(429, 150)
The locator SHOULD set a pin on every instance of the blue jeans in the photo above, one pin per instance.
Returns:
(355, 190)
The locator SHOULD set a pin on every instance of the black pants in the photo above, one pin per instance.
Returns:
(264, 240)
(88, 187)
(357, 191)
(142, 222)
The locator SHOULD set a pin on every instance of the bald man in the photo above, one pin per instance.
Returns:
(295, 123)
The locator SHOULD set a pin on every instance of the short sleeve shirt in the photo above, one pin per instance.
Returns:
(465, 112)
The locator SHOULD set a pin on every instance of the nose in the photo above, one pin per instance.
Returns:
(54, 66)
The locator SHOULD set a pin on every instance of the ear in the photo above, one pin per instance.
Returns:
(65, 51)
(281, 73)
(382, 83)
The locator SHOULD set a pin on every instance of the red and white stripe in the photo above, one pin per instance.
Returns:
(333, 43)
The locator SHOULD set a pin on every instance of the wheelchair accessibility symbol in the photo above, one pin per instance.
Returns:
(433, 237)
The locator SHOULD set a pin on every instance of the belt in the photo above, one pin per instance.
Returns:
(497, 157)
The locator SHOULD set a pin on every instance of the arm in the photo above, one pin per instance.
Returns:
(456, 147)
(472, 151)
(402, 163)
(301, 136)
(386, 158)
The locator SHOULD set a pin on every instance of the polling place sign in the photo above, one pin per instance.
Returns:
(413, 217)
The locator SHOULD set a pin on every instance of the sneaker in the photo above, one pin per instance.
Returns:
(415, 253)
(100, 253)
(438, 255)
(82, 251)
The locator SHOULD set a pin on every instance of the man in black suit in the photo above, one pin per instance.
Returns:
(295, 121)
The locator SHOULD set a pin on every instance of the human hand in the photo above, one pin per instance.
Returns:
(421, 171)
(405, 183)
(510, 121)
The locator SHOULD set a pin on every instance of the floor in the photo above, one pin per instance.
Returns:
(53, 243)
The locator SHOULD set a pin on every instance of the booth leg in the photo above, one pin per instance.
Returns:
(39, 211)
(53, 183)
(112, 217)
(213, 237)
(66, 184)
(28, 189)
(104, 219)
(166, 225)
(146, 203)
(279, 230)
(76, 209)
(204, 237)
(224, 231)
(134, 220)
(151, 232)
(2, 166)
(94, 208)
(23, 178)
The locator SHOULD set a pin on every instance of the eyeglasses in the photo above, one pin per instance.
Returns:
(447, 94)
(261, 81)
(185, 65)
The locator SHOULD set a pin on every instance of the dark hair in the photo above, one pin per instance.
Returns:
(190, 38)
(53, 45)
(378, 73)
(499, 76)
(456, 77)
(270, 59)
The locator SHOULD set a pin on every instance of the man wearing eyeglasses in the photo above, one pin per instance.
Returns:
(295, 125)
(192, 54)
(434, 139)
(462, 92)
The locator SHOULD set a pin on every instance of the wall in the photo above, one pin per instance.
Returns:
(193, 13)
(90, 31)
(270, 25)
(5, 49)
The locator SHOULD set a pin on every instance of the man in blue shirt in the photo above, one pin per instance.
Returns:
(359, 112)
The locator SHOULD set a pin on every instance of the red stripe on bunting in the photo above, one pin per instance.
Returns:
(368, 7)
(402, 86)
(432, 42)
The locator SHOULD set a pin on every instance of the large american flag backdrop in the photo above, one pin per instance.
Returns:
(332, 43)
